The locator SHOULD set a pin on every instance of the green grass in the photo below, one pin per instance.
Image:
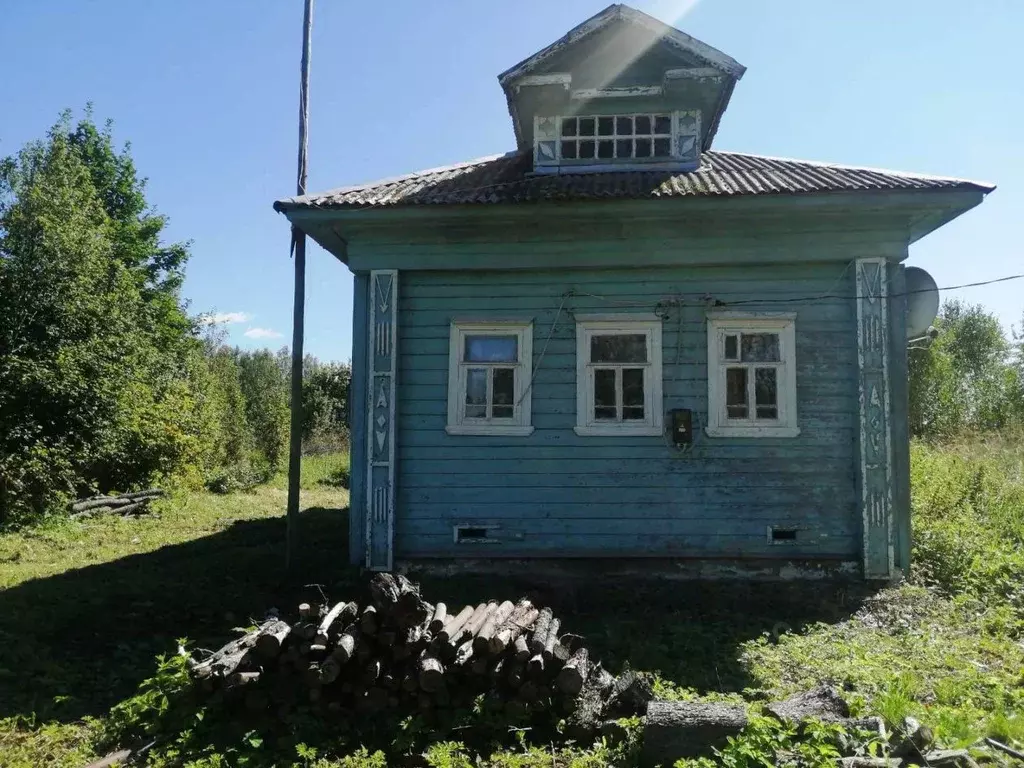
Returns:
(85, 608)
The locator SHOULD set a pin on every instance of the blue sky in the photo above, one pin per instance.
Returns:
(207, 94)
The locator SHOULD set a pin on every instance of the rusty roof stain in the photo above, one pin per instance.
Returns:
(509, 179)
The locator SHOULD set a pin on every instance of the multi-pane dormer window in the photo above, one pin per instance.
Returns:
(656, 138)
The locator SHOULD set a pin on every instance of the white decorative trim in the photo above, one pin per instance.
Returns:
(520, 424)
(382, 357)
(693, 73)
(650, 326)
(616, 431)
(488, 429)
(586, 94)
(555, 78)
(752, 431)
(720, 324)
(873, 388)
(562, 170)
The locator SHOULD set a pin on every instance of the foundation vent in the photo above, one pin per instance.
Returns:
(780, 535)
(475, 534)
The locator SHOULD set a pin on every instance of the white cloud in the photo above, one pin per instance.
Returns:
(225, 318)
(262, 333)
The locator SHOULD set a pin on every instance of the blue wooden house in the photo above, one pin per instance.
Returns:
(616, 343)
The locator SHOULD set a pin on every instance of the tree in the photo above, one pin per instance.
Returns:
(99, 362)
(966, 378)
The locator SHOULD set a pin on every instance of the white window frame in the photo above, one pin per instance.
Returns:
(588, 326)
(684, 144)
(520, 424)
(723, 323)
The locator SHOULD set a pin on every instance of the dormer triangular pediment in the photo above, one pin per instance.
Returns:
(621, 62)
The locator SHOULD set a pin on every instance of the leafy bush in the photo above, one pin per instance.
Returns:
(968, 516)
(95, 347)
(969, 378)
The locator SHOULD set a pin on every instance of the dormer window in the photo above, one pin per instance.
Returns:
(658, 139)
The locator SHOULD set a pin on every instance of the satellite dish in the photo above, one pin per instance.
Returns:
(922, 301)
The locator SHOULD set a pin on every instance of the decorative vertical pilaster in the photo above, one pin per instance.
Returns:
(875, 429)
(381, 361)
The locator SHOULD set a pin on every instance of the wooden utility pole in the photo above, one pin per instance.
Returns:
(299, 309)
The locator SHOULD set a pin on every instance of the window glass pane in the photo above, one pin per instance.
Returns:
(568, 126)
(604, 393)
(624, 126)
(732, 347)
(476, 393)
(643, 147)
(766, 393)
(662, 124)
(760, 347)
(491, 349)
(736, 393)
(605, 126)
(586, 126)
(624, 148)
(606, 149)
(619, 348)
(632, 393)
(643, 124)
(569, 150)
(662, 147)
(503, 392)
(586, 149)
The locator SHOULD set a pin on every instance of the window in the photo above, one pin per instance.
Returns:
(751, 375)
(489, 372)
(618, 375)
(612, 139)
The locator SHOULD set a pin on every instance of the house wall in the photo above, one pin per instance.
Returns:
(558, 494)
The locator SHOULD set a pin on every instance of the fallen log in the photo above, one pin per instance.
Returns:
(368, 620)
(540, 632)
(271, 638)
(551, 639)
(522, 651)
(453, 626)
(346, 644)
(522, 617)
(630, 694)
(476, 621)
(437, 621)
(678, 729)
(430, 673)
(496, 618)
(572, 676)
(339, 616)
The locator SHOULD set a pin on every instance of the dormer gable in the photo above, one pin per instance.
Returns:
(621, 90)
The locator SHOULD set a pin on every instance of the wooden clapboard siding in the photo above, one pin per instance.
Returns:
(555, 494)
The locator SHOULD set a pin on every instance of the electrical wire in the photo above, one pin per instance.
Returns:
(710, 300)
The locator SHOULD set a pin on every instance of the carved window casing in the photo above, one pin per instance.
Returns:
(655, 138)
(752, 375)
(489, 374)
(618, 376)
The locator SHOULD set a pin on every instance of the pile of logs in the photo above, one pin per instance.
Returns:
(400, 652)
(127, 504)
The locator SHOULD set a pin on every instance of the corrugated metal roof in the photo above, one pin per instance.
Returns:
(509, 179)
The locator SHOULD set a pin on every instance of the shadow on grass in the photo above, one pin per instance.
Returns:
(78, 642)
(75, 643)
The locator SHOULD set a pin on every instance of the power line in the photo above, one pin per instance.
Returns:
(709, 299)
(826, 296)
